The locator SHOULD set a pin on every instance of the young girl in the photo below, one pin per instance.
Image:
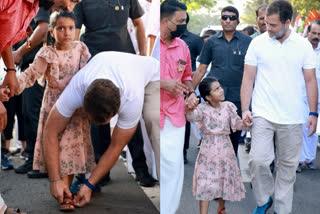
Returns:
(216, 174)
(58, 63)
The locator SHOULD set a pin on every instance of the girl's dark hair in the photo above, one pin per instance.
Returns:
(53, 21)
(205, 86)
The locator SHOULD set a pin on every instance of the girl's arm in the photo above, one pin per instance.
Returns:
(194, 115)
(34, 72)
(236, 122)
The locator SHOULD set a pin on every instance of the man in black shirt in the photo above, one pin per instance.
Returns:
(226, 51)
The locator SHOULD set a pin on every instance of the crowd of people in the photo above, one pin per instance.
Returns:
(75, 84)
(240, 74)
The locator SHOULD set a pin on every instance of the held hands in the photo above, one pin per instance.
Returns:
(191, 102)
(312, 121)
(11, 82)
(4, 94)
(247, 118)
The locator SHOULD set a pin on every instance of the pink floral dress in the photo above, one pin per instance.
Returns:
(58, 67)
(216, 173)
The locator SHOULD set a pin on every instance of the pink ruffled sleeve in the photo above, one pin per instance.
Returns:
(85, 55)
(236, 122)
(44, 58)
(195, 115)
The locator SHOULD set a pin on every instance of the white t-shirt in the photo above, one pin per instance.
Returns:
(278, 88)
(129, 72)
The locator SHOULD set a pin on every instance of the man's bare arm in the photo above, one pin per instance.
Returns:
(140, 35)
(55, 124)
(198, 74)
(312, 93)
(248, 79)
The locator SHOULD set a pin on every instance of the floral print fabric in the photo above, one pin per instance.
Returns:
(58, 67)
(216, 173)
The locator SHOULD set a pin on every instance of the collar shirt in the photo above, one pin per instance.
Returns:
(175, 63)
(278, 88)
(227, 62)
(194, 43)
(106, 27)
(15, 17)
(257, 33)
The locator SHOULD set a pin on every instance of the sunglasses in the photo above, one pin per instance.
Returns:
(232, 18)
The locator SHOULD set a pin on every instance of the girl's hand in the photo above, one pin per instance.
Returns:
(4, 94)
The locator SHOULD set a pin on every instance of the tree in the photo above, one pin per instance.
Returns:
(194, 5)
(305, 6)
(249, 16)
(200, 21)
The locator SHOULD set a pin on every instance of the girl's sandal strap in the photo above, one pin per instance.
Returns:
(221, 210)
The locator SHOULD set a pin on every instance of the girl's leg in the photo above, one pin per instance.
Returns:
(221, 206)
(204, 205)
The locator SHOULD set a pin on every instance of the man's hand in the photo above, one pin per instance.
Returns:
(58, 190)
(175, 87)
(83, 196)
(247, 118)
(4, 94)
(3, 117)
(192, 101)
(11, 81)
(312, 121)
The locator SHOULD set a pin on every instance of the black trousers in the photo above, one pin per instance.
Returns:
(14, 107)
(100, 136)
(32, 100)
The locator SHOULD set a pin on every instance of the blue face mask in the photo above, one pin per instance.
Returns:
(179, 31)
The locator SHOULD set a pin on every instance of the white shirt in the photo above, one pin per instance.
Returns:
(129, 72)
(278, 88)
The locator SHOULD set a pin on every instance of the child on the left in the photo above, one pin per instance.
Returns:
(58, 63)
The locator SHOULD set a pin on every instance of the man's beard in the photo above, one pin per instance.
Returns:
(281, 33)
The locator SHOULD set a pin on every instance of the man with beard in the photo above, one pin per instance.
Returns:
(260, 13)
(225, 51)
(309, 145)
(278, 110)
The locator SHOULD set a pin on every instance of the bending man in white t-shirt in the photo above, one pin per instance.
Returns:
(111, 83)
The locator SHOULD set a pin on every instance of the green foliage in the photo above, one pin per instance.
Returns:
(194, 5)
(305, 6)
(199, 21)
(249, 14)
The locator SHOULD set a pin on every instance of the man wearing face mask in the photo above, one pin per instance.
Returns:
(225, 51)
(175, 78)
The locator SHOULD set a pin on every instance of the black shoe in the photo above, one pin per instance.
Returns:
(37, 174)
(145, 179)
(23, 169)
(15, 151)
(104, 180)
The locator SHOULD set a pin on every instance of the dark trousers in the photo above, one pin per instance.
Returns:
(186, 138)
(14, 107)
(235, 137)
(100, 136)
(32, 100)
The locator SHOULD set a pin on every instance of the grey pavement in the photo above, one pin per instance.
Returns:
(306, 190)
(121, 196)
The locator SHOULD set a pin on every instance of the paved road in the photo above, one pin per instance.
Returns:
(122, 196)
(306, 192)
